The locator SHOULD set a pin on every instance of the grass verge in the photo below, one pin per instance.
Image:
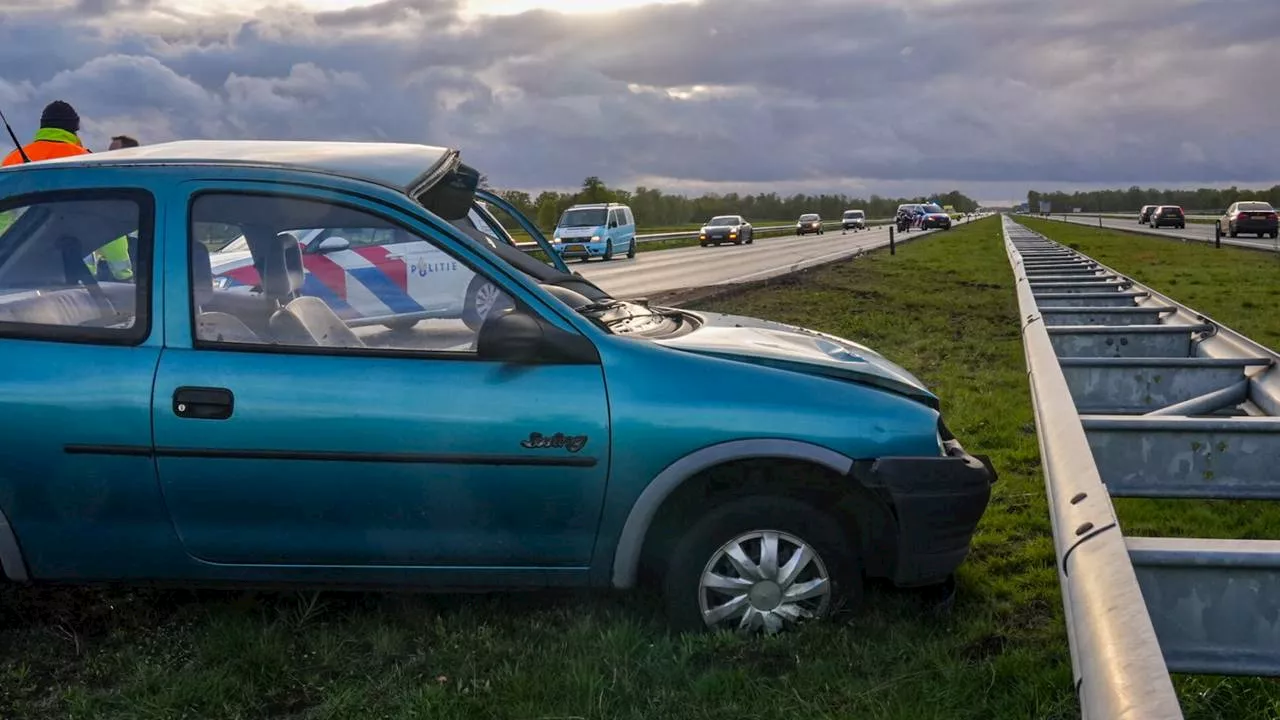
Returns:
(943, 306)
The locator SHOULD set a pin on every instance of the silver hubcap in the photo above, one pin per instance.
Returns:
(486, 296)
(763, 579)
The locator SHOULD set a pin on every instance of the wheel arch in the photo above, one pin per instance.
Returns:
(631, 542)
(11, 563)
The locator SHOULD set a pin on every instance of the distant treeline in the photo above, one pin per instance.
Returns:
(654, 208)
(1204, 200)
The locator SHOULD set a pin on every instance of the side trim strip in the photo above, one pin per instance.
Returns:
(130, 450)
(626, 558)
(10, 554)
(336, 456)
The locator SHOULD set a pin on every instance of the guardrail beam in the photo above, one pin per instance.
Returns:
(1079, 286)
(1099, 387)
(1086, 315)
(1212, 602)
(1102, 341)
(1187, 457)
(1085, 299)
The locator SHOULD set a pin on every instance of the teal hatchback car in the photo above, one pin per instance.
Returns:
(172, 428)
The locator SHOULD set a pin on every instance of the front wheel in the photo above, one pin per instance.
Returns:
(631, 249)
(608, 251)
(760, 563)
(481, 298)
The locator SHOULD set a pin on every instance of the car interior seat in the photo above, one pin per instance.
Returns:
(322, 323)
(282, 277)
(213, 326)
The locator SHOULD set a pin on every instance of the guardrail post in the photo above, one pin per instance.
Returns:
(1217, 234)
(892, 250)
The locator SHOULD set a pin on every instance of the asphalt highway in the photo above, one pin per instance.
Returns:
(696, 267)
(1198, 232)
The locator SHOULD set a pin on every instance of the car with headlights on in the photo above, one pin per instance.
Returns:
(726, 229)
(934, 217)
(1144, 215)
(170, 429)
(809, 223)
(853, 220)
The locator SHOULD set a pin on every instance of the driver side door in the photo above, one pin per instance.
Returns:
(376, 448)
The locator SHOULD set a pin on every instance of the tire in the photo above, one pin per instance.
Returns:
(608, 250)
(482, 297)
(1260, 235)
(631, 249)
(400, 325)
(1275, 234)
(751, 236)
(1231, 230)
(747, 519)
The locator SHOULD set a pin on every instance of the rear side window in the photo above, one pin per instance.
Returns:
(76, 268)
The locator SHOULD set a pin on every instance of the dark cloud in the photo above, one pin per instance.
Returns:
(853, 97)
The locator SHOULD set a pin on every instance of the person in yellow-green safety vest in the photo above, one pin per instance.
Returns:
(112, 261)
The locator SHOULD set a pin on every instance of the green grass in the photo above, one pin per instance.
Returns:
(943, 306)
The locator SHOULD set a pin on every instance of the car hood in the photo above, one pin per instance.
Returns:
(798, 349)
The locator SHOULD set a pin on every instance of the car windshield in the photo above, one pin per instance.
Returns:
(583, 217)
(853, 214)
(1256, 207)
(808, 217)
(723, 220)
(932, 208)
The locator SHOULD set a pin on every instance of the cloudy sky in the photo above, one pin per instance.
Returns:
(991, 97)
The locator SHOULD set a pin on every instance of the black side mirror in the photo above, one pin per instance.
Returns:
(520, 338)
(513, 336)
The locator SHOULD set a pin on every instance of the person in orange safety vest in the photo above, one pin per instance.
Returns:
(56, 137)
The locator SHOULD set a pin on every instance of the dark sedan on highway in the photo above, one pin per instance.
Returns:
(934, 217)
(809, 223)
(1250, 216)
(1168, 216)
(726, 229)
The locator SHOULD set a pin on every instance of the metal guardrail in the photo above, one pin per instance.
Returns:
(1136, 395)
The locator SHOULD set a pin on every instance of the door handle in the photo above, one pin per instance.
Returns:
(203, 403)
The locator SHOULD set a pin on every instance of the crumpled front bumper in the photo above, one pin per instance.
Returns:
(936, 503)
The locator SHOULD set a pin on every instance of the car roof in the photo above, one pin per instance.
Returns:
(403, 166)
(596, 205)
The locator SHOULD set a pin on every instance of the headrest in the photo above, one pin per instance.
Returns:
(282, 272)
(201, 275)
